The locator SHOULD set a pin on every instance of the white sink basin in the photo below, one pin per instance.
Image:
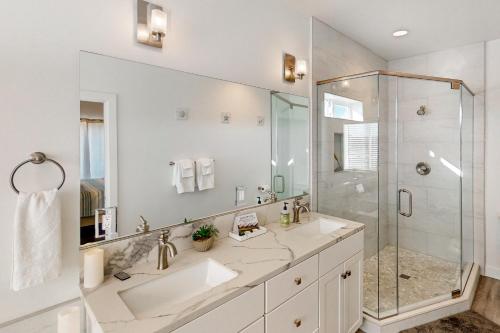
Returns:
(320, 226)
(155, 298)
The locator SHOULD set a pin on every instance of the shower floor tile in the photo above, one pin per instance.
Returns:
(421, 278)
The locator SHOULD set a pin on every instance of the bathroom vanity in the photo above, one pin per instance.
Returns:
(305, 278)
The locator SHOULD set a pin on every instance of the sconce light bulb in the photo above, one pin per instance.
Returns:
(158, 22)
(142, 33)
(301, 68)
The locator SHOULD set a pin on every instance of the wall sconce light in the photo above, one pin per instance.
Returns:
(293, 69)
(151, 24)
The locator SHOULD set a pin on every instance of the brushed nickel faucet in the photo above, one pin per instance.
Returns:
(164, 249)
(298, 207)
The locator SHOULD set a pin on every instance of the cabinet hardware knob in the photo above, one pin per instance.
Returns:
(343, 275)
(298, 281)
(348, 273)
(297, 322)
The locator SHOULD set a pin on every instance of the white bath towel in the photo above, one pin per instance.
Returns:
(205, 173)
(37, 239)
(183, 177)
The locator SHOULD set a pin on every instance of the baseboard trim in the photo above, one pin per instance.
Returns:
(492, 272)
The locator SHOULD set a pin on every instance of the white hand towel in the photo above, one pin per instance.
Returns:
(37, 239)
(207, 166)
(183, 176)
(187, 168)
(205, 173)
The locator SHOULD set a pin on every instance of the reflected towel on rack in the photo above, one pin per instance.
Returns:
(37, 239)
(205, 173)
(183, 176)
(187, 168)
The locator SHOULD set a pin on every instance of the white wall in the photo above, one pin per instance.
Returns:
(39, 90)
(150, 136)
(492, 158)
(465, 63)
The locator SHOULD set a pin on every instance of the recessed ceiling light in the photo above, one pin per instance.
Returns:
(400, 33)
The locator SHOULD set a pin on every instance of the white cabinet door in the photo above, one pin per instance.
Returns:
(257, 327)
(353, 293)
(331, 299)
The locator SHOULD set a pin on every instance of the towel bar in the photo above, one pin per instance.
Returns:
(36, 158)
(172, 163)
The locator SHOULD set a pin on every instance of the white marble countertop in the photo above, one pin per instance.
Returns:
(256, 260)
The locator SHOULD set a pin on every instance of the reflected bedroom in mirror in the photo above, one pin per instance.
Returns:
(160, 147)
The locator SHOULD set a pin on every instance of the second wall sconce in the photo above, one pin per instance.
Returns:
(151, 24)
(293, 69)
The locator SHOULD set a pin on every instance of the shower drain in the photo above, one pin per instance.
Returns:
(404, 276)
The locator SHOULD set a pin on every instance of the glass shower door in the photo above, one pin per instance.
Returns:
(354, 136)
(428, 197)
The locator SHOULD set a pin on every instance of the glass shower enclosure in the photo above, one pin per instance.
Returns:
(290, 154)
(395, 152)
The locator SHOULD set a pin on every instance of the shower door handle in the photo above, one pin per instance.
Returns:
(410, 203)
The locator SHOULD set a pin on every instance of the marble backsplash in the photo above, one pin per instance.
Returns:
(121, 255)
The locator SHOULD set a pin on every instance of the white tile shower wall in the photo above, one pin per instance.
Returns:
(493, 159)
(426, 230)
(334, 55)
(40, 94)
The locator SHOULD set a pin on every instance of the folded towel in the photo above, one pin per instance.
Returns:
(206, 166)
(205, 173)
(187, 168)
(183, 176)
(37, 239)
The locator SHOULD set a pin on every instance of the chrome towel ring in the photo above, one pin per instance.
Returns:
(36, 158)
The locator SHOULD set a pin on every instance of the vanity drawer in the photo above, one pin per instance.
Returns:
(340, 252)
(285, 285)
(257, 327)
(299, 314)
(232, 316)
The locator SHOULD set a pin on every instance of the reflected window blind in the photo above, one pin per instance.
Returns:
(361, 146)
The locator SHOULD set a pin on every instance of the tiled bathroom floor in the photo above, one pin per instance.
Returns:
(426, 277)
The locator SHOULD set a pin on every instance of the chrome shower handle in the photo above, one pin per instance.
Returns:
(410, 203)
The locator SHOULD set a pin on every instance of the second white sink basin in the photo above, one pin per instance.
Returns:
(320, 226)
(154, 298)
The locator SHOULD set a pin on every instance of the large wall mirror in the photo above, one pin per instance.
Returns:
(170, 146)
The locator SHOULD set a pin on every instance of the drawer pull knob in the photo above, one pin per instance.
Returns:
(298, 281)
(297, 322)
(343, 275)
(348, 273)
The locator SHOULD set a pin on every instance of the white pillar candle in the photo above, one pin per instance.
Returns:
(93, 268)
(68, 320)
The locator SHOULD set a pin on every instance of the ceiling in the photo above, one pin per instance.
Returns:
(433, 24)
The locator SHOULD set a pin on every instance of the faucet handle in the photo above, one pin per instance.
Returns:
(143, 227)
(296, 201)
(164, 234)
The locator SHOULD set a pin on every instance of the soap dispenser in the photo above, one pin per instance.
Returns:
(285, 216)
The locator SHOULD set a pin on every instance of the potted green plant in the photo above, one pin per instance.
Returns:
(204, 237)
